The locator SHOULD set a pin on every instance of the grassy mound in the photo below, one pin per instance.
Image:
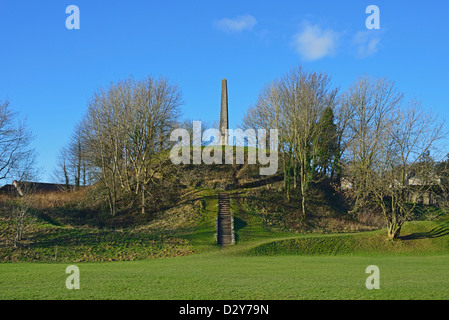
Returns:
(76, 227)
(417, 238)
(49, 243)
(189, 227)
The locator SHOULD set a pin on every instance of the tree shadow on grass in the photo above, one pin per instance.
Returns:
(437, 232)
(238, 224)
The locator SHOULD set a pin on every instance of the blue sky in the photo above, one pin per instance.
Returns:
(49, 72)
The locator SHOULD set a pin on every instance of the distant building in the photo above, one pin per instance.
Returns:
(33, 187)
(423, 191)
(432, 195)
(415, 181)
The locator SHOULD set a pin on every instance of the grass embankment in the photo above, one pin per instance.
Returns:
(61, 244)
(419, 238)
(53, 234)
(264, 264)
(190, 228)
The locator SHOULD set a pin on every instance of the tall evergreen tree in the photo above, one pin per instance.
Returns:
(326, 142)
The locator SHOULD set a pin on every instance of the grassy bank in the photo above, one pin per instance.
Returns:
(418, 238)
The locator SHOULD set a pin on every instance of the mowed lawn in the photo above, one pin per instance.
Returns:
(217, 276)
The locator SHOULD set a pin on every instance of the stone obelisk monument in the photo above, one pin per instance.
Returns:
(224, 123)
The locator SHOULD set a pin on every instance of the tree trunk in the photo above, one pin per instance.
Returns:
(303, 204)
(78, 167)
(143, 200)
(394, 230)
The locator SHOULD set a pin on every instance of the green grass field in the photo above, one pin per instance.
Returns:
(211, 277)
(262, 265)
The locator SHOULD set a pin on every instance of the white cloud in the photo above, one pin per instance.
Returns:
(238, 24)
(367, 43)
(314, 43)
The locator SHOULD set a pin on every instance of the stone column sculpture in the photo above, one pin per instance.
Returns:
(224, 123)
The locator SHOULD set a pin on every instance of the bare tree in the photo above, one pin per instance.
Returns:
(104, 138)
(127, 126)
(373, 102)
(77, 157)
(295, 104)
(403, 170)
(153, 113)
(16, 156)
(21, 208)
(72, 168)
(304, 98)
(388, 142)
(17, 161)
(61, 172)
